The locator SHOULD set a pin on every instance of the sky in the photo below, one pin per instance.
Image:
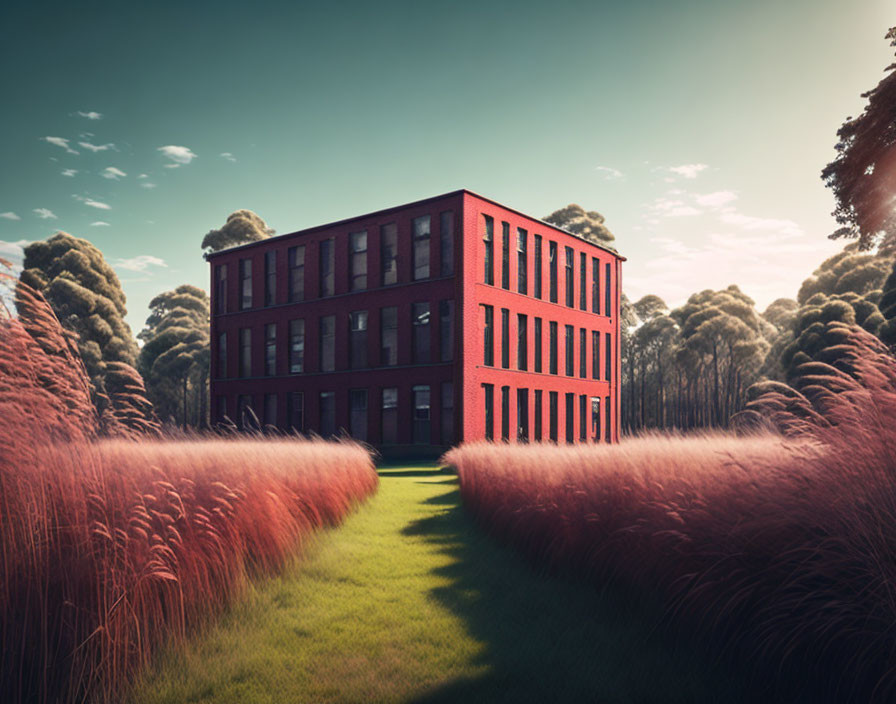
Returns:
(698, 128)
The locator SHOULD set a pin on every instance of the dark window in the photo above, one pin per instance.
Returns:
(505, 255)
(245, 352)
(245, 284)
(447, 414)
(552, 265)
(595, 355)
(583, 353)
(327, 268)
(390, 416)
(421, 247)
(446, 331)
(222, 409)
(522, 342)
(357, 330)
(609, 356)
(270, 410)
(522, 263)
(222, 355)
(522, 415)
(489, 239)
(328, 343)
(389, 336)
(245, 415)
(595, 285)
(422, 336)
(446, 240)
(327, 414)
(536, 430)
(270, 277)
(570, 418)
(552, 415)
(583, 275)
(488, 336)
(357, 403)
(489, 411)
(552, 348)
(536, 268)
(570, 278)
(296, 273)
(505, 413)
(389, 253)
(358, 261)
(270, 349)
(569, 350)
(595, 418)
(296, 346)
(297, 411)
(607, 414)
(583, 417)
(536, 333)
(221, 288)
(505, 338)
(608, 303)
(422, 430)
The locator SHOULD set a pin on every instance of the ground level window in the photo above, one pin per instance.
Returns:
(297, 411)
(270, 411)
(583, 417)
(570, 417)
(536, 429)
(505, 413)
(447, 413)
(327, 426)
(489, 391)
(595, 418)
(552, 415)
(522, 415)
(422, 419)
(358, 413)
(390, 416)
(607, 424)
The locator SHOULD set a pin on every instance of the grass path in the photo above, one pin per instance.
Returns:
(408, 602)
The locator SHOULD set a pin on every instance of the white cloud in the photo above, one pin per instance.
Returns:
(143, 176)
(14, 253)
(147, 184)
(140, 263)
(784, 227)
(179, 156)
(45, 214)
(60, 142)
(91, 115)
(99, 223)
(716, 199)
(688, 170)
(97, 147)
(112, 173)
(228, 156)
(9, 215)
(96, 204)
(69, 172)
(672, 208)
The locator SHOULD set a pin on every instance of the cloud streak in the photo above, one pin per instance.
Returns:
(178, 156)
(45, 214)
(113, 173)
(9, 215)
(60, 142)
(228, 156)
(96, 147)
(91, 115)
(140, 263)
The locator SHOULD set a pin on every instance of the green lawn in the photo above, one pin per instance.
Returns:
(408, 602)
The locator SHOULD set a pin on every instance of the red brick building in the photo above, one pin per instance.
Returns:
(418, 327)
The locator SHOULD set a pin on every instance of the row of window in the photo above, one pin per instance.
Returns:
(522, 345)
(588, 411)
(324, 422)
(357, 265)
(522, 278)
(357, 324)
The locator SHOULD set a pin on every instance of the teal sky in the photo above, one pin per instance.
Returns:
(697, 127)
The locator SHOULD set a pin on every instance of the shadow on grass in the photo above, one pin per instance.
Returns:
(547, 639)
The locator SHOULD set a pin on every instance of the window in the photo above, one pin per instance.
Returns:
(245, 416)
(221, 288)
(446, 331)
(607, 414)
(389, 336)
(608, 307)
(505, 338)
(552, 264)
(357, 261)
(328, 343)
(420, 341)
(537, 343)
(270, 277)
(522, 263)
(505, 413)
(583, 417)
(296, 346)
(421, 247)
(296, 256)
(522, 342)
(327, 268)
(270, 349)
(583, 353)
(505, 255)
(296, 404)
(570, 417)
(357, 332)
(570, 278)
(327, 414)
(569, 350)
(446, 242)
(552, 415)
(389, 418)
(489, 390)
(552, 348)
(488, 336)
(536, 270)
(595, 285)
(245, 352)
(245, 284)
(595, 355)
(522, 415)
(536, 429)
(609, 355)
(270, 410)
(222, 409)
(595, 418)
(488, 238)
(389, 253)
(222, 355)
(583, 276)
(421, 415)
(357, 403)
(447, 414)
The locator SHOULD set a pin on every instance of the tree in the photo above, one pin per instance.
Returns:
(863, 176)
(587, 224)
(241, 227)
(848, 271)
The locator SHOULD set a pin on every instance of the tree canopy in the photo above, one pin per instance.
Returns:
(241, 227)
(587, 224)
